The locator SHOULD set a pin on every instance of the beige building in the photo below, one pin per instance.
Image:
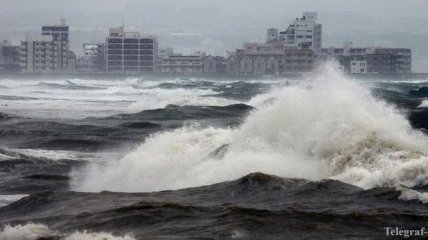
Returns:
(48, 52)
(273, 59)
(183, 64)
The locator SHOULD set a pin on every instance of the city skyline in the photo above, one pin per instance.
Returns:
(216, 27)
(295, 49)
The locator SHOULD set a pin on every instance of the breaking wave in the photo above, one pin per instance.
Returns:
(326, 127)
(33, 231)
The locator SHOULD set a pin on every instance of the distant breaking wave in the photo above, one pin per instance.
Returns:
(38, 231)
(69, 86)
(326, 127)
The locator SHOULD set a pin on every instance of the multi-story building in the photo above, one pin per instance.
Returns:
(304, 32)
(369, 59)
(274, 58)
(130, 52)
(183, 64)
(9, 57)
(389, 60)
(48, 52)
(60, 38)
(93, 59)
(37, 54)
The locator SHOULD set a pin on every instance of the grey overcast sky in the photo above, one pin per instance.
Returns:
(221, 25)
(392, 8)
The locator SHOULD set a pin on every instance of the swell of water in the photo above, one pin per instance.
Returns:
(326, 127)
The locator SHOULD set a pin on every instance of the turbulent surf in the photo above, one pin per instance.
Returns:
(323, 156)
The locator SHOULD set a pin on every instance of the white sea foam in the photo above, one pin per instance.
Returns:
(326, 127)
(26, 232)
(57, 155)
(410, 194)
(96, 236)
(98, 98)
(8, 199)
(33, 231)
(424, 104)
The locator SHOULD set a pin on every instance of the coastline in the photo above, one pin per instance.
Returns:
(102, 75)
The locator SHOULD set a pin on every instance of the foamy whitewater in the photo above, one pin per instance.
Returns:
(76, 98)
(326, 127)
(350, 157)
(39, 231)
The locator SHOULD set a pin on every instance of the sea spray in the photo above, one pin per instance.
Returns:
(328, 126)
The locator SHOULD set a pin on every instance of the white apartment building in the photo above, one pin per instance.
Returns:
(48, 52)
(36, 54)
(303, 32)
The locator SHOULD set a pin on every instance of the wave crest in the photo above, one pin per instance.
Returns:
(326, 127)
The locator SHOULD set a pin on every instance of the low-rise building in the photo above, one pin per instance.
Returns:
(215, 65)
(93, 59)
(375, 60)
(183, 64)
(389, 60)
(272, 59)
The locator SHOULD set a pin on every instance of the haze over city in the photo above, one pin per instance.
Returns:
(218, 26)
(220, 119)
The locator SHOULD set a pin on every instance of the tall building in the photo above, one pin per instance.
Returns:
(48, 52)
(303, 32)
(60, 37)
(9, 57)
(130, 51)
(37, 54)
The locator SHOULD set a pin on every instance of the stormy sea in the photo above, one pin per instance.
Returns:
(323, 156)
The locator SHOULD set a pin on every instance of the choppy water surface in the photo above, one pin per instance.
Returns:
(325, 157)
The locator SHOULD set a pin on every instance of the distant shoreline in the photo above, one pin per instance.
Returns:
(100, 76)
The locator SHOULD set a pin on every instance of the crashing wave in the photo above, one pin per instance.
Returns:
(33, 231)
(326, 127)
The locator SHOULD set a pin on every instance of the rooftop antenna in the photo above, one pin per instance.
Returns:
(62, 20)
(123, 22)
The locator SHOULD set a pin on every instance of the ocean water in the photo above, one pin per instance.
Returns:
(324, 156)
